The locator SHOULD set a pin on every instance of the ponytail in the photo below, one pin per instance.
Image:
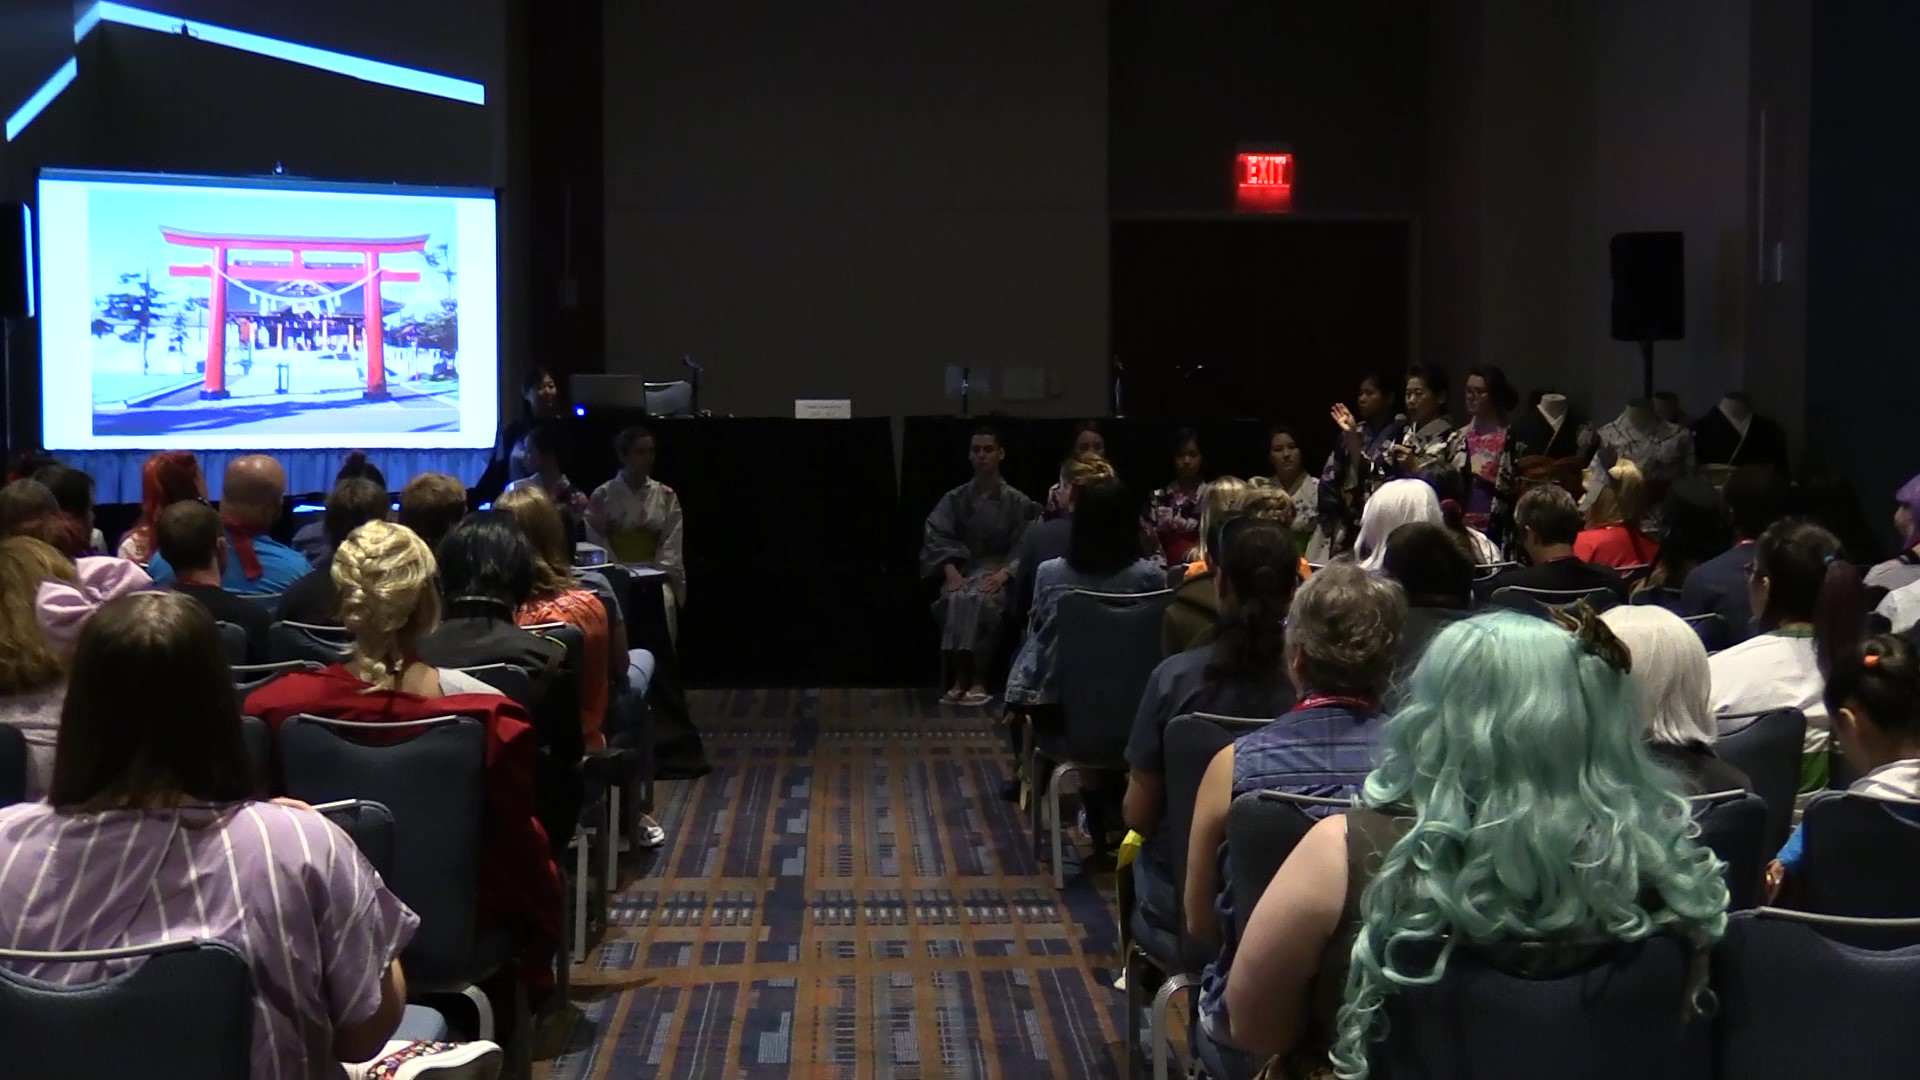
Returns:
(1839, 614)
(1259, 563)
(1882, 676)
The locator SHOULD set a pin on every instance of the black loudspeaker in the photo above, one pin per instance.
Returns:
(16, 261)
(1649, 286)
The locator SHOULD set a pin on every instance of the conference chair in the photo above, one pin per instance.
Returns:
(1862, 857)
(1800, 995)
(1733, 825)
(1544, 601)
(512, 681)
(1489, 571)
(1190, 742)
(259, 739)
(13, 766)
(369, 825)
(233, 639)
(1658, 596)
(1108, 647)
(306, 641)
(250, 677)
(1712, 629)
(1766, 746)
(1263, 828)
(268, 600)
(431, 778)
(182, 1010)
(1522, 1010)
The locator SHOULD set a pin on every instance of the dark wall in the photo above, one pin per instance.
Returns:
(840, 199)
(1861, 277)
(1342, 82)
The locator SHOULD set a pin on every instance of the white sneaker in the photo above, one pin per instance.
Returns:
(651, 834)
(478, 1060)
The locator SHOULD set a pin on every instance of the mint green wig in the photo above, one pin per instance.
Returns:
(1537, 815)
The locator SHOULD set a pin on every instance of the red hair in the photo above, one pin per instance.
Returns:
(168, 477)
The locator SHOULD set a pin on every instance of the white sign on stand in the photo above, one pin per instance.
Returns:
(823, 409)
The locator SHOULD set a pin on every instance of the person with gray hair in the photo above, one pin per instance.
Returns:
(1671, 676)
(1343, 639)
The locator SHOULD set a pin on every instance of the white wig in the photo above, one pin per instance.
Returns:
(1670, 674)
(1397, 503)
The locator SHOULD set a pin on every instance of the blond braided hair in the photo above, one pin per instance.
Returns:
(384, 575)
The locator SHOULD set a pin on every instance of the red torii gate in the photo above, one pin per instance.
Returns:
(297, 270)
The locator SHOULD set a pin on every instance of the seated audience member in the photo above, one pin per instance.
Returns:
(486, 572)
(1103, 555)
(1223, 496)
(543, 450)
(1046, 540)
(73, 493)
(1239, 673)
(1438, 581)
(637, 518)
(558, 598)
(431, 505)
(22, 501)
(1674, 682)
(193, 543)
(1694, 529)
(1193, 616)
(1398, 502)
(256, 487)
(44, 598)
(315, 539)
(1448, 487)
(1757, 497)
(151, 765)
(314, 599)
(1343, 635)
(1548, 522)
(1903, 569)
(167, 477)
(389, 603)
(1810, 611)
(1516, 739)
(968, 545)
(1087, 439)
(1873, 696)
(1612, 536)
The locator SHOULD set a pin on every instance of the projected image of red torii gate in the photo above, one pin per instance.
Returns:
(369, 276)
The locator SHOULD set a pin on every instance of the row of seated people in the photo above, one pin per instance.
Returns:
(150, 764)
(1333, 669)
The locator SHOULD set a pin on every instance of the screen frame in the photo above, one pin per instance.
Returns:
(38, 239)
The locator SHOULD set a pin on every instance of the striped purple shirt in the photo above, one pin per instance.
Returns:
(286, 886)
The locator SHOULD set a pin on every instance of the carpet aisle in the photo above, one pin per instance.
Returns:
(846, 896)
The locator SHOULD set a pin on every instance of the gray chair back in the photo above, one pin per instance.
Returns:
(1767, 748)
(369, 824)
(1191, 742)
(259, 740)
(1108, 647)
(1545, 601)
(1263, 828)
(1797, 1000)
(250, 677)
(512, 681)
(1620, 1014)
(1489, 571)
(13, 765)
(1712, 630)
(1733, 825)
(270, 601)
(1862, 857)
(183, 1011)
(305, 641)
(430, 775)
(233, 639)
(1658, 596)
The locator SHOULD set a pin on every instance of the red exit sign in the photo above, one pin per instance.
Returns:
(1263, 181)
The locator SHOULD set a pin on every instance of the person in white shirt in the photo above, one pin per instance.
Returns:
(1810, 609)
(637, 518)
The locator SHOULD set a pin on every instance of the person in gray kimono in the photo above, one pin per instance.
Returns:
(970, 540)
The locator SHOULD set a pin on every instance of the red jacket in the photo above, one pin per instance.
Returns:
(519, 883)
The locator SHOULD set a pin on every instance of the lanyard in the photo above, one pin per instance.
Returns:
(1343, 701)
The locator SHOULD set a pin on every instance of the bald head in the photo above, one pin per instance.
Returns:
(255, 486)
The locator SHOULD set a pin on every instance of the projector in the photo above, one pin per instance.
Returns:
(585, 554)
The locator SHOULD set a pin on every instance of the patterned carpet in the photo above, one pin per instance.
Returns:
(846, 896)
